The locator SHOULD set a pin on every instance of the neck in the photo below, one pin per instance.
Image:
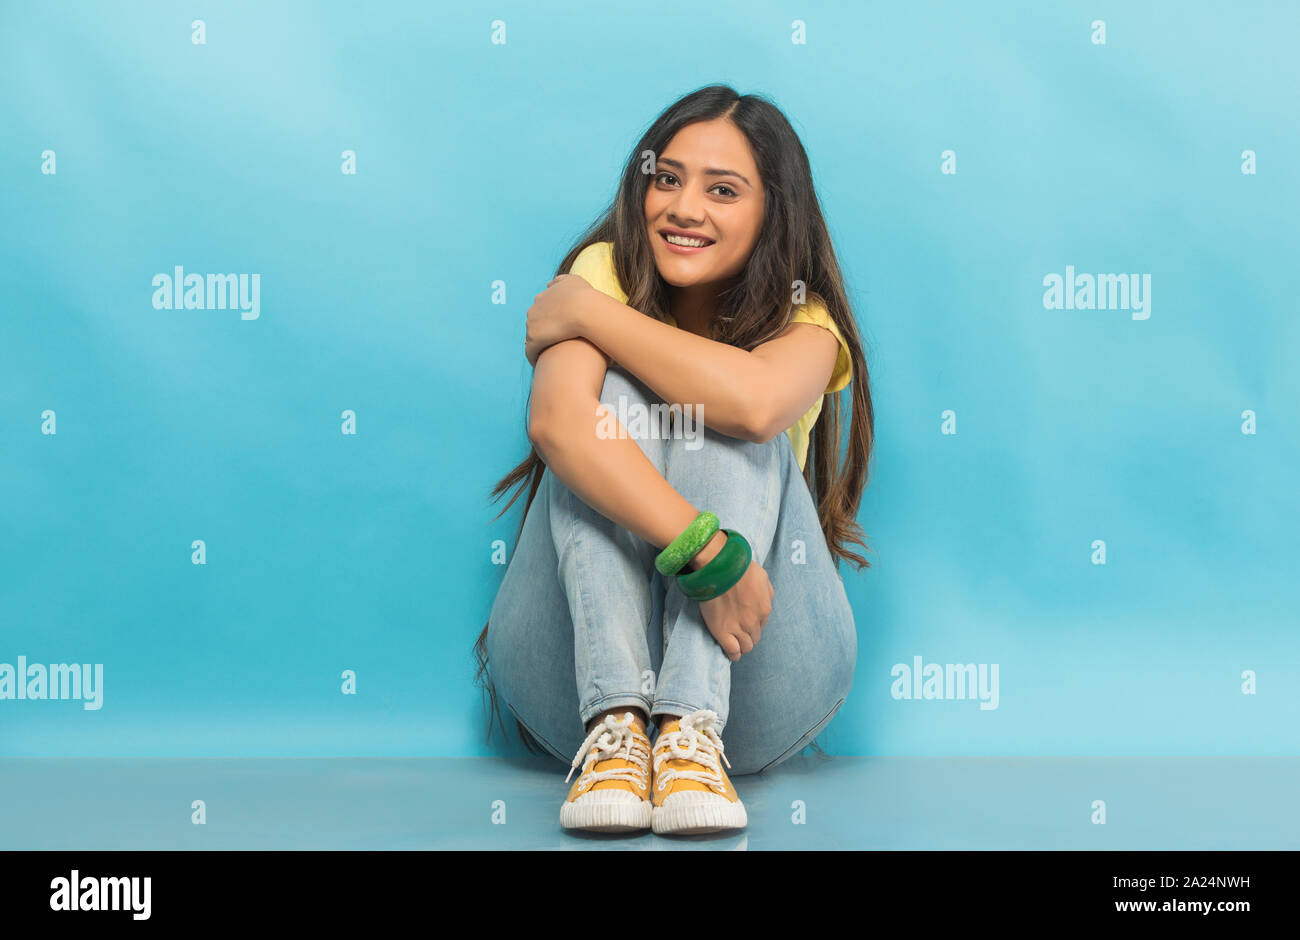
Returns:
(693, 308)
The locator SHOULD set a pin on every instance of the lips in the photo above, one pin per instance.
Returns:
(678, 233)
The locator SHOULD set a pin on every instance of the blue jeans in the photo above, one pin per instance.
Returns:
(583, 622)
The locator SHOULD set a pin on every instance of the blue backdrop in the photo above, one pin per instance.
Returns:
(128, 149)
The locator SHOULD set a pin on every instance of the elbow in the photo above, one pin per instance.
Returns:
(543, 441)
(554, 425)
(538, 433)
(539, 423)
(759, 425)
(549, 428)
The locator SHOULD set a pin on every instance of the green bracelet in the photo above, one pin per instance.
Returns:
(687, 545)
(721, 573)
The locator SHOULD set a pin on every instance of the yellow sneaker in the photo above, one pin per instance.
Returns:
(613, 793)
(691, 792)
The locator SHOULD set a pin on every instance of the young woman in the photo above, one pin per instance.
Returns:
(654, 556)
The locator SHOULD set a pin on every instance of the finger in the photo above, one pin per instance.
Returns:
(731, 647)
(746, 643)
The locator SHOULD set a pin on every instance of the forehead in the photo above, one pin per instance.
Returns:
(716, 143)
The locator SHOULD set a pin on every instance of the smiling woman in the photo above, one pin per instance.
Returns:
(703, 210)
(711, 282)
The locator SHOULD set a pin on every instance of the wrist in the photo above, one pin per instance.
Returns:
(723, 572)
(581, 318)
(707, 553)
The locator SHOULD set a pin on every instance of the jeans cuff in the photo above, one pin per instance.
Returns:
(678, 708)
(614, 700)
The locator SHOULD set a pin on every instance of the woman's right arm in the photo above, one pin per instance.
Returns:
(613, 476)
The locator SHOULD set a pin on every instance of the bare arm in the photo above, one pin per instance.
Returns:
(753, 395)
(611, 475)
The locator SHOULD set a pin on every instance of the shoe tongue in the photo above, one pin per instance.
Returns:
(634, 724)
(700, 740)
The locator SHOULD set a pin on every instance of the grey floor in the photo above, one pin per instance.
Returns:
(810, 802)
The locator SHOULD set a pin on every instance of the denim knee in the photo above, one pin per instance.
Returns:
(711, 449)
(808, 737)
(742, 482)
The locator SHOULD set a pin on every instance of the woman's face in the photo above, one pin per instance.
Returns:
(706, 184)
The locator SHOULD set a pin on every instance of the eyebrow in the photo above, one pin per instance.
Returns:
(709, 171)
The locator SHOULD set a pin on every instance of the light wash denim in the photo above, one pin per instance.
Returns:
(583, 621)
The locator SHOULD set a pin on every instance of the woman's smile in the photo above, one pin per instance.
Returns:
(684, 243)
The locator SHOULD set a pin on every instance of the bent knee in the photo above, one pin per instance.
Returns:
(758, 760)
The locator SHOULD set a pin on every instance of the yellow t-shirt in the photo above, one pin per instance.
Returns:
(595, 264)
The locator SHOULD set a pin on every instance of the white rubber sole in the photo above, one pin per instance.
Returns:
(606, 811)
(694, 811)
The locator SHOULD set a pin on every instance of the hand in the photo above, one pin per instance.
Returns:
(736, 617)
(556, 314)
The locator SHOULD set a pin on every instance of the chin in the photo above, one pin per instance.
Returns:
(677, 279)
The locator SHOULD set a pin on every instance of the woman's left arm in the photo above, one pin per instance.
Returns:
(753, 395)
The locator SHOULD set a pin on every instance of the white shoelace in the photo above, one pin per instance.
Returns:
(695, 740)
(615, 738)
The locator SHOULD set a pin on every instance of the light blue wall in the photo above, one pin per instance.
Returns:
(478, 162)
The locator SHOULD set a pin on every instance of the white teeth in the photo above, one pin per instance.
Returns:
(686, 242)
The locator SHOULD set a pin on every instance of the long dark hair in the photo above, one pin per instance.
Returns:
(793, 245)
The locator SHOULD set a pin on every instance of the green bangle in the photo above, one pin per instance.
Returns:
(687, 545)
(721, 573)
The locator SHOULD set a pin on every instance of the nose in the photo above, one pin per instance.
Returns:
(686, 210)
